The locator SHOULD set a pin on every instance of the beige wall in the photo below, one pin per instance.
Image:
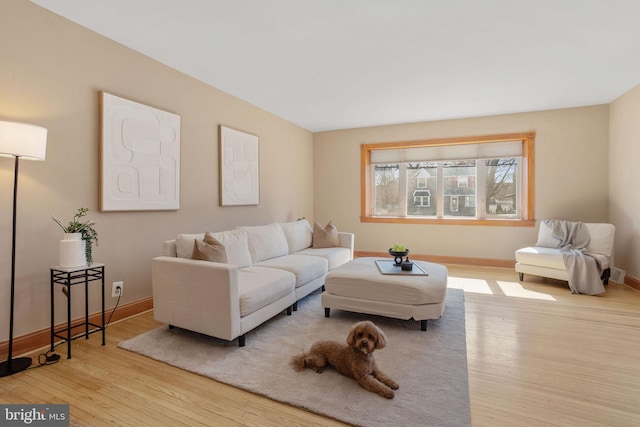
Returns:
(571, 181)
(51, 74)
(624, 152)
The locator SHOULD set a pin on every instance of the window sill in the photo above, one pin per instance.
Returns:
(451, 221)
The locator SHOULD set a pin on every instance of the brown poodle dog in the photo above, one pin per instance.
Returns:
(354, 360)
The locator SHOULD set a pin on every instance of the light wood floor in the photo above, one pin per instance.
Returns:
(537, 355)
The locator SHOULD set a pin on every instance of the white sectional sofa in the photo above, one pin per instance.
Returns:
(268, 269)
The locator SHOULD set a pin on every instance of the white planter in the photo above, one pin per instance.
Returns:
(72, 251)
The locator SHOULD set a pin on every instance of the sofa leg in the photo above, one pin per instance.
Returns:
(241, 341)
(521, 275)
(289, 310)
(326, 311)
(423, 325)
(322, 288)
(295, 306)
(605, 276)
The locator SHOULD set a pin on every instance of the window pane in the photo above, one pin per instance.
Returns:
(459, 188)
(502, 185)
(386, 197)
(422, 188)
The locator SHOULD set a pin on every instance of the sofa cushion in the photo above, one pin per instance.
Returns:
(335, 256)
(266, 242)
(184, 244)
(260, 286)
(545, 236)
(299, 234)
(236, 246)
(234, 241)
(325, 237)
(306, 268)
(209, 249)
(541, 256)
(601, 237)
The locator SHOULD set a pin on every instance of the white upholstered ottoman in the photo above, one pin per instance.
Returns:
(359, 286)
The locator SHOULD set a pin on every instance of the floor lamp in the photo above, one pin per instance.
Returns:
(19, 140)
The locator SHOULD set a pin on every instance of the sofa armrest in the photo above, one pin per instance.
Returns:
(347, 241)
(200, 296)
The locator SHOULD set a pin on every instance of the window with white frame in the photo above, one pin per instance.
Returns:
(478, 178)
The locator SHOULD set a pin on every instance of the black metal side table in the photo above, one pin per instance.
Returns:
(68, 277)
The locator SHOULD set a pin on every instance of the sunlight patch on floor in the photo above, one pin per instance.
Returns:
(512, 289)
(478, 286)
(496, 287)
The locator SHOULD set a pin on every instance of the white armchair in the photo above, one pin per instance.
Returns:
(545, 258)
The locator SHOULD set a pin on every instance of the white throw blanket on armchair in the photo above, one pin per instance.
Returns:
(584, 269)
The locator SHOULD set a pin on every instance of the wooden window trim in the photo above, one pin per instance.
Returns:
(528, 141)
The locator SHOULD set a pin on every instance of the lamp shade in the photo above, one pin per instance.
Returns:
(23, 140)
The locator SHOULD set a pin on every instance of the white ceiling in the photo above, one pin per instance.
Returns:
(336, 64)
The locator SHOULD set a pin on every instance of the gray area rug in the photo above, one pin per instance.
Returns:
(431, 366)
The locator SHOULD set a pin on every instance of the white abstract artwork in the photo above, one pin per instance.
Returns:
(239, 168)
(140, 157)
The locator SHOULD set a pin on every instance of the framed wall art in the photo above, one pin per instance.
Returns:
(239, 168)
(139, 156)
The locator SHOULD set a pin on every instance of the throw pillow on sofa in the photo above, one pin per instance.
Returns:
(325, 237)
(209, 249)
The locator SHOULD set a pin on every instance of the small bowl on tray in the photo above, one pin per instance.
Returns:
(397, 256)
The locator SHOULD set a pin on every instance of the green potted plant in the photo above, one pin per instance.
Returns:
(85, 228)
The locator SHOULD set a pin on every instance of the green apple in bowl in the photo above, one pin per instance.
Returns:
(397, 247)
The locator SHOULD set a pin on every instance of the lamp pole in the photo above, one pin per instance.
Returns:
(12, 366)
(13, 263)
(28, 141)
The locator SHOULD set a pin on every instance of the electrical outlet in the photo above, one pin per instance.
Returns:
(117, 288)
